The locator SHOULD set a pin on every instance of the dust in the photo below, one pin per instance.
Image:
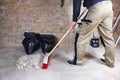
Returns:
(28, 62)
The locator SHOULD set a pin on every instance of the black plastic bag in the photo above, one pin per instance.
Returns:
(31, 42)
(47, 42)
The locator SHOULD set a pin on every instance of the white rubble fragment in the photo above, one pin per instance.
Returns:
(27, 62)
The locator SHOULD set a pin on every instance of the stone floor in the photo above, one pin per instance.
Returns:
(58, 69)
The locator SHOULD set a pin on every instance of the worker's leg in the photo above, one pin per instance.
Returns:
(85, 29)
(106, 31)
(94, 16)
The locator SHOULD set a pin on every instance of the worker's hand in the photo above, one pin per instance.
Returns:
(72, 24)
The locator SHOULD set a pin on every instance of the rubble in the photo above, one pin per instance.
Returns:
(27, 62)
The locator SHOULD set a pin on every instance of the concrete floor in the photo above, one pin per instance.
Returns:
(58, 69)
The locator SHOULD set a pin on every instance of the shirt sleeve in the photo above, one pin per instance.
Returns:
(76, 9)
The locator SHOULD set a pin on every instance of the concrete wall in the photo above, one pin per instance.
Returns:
(41, 16)
(116, 5)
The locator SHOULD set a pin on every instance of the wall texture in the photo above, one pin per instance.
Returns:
(41, 16)
(116, 5)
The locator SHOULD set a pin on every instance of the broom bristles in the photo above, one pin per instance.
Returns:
(45, 62)
(44, 66)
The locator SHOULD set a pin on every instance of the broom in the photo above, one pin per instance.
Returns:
(47, 55)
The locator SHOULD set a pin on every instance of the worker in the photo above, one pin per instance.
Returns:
(100, 15)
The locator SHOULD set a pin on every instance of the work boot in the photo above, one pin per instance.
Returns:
(108, 64)
(74, 63)
(103, 60)
(71, 62)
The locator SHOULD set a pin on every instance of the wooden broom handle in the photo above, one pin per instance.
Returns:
(59, 41)
(48, 54)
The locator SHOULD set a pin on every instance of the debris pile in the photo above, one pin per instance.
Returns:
(27, 62)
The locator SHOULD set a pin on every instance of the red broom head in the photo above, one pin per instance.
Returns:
(45, 63)
(44, 66)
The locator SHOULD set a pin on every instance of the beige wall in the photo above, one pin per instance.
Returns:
(42, 16)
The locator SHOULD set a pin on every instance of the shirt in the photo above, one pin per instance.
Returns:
(77, 6)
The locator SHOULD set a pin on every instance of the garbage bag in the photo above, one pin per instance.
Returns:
(47, 42)
(31, 42)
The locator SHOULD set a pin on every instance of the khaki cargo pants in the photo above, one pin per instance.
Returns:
(99, 15)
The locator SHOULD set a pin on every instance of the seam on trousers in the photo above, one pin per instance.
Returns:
(102, 40)
(75, 48)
